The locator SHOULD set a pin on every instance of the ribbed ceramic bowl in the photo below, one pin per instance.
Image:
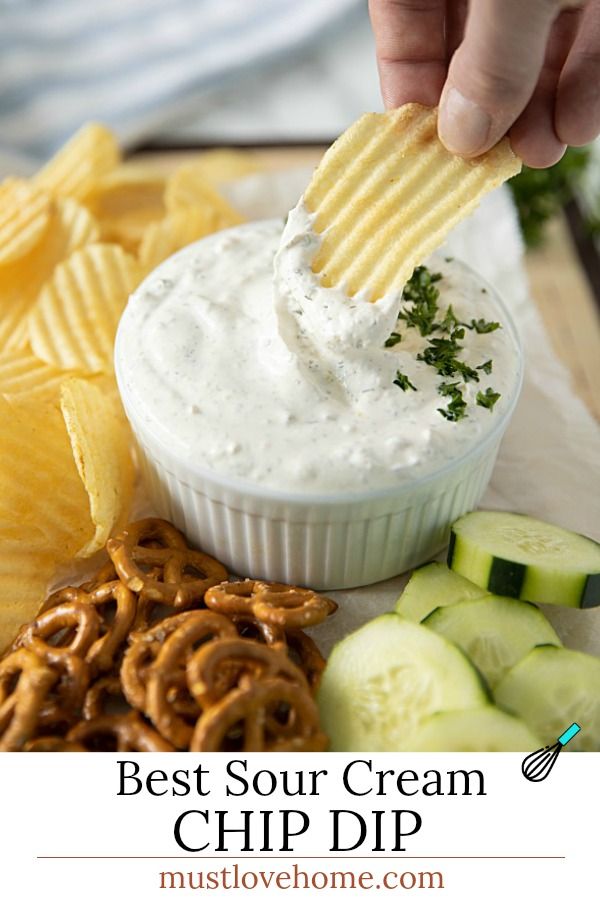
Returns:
(325, 541)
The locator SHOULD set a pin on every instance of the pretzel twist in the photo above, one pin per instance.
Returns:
(215, 669)
(307, 656)
(166, 674)
(278, 605)
(97, 695)
(123, 733)
(74, 626)
(245, 720)
(24, 683)
(152, 543)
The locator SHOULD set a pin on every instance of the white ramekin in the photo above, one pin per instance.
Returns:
(325, 541)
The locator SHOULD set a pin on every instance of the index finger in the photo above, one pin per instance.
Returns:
(411, 49)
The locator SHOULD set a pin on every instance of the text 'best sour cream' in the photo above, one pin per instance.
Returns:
(238, 359)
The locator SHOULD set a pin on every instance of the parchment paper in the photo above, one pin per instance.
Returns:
(549, 461)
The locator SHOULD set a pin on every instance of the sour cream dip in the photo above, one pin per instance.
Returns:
(234, 355)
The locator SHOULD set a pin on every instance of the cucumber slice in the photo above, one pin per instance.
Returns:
(432, 586)
(552, 687)
(495, 632)
(517, 556)
(383, 679)
(482, 730)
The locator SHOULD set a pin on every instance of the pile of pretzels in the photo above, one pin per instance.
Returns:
(159, 651)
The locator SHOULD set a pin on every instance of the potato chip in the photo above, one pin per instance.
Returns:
(40, 487)
(24, 217)
(388, 192)
(224, 164)
(175, 231)
(14, 325)
(100, 442)
(71, 226)
(187, 188)
(26, 568)
(125, 202)
(74, 321)
(24, 373)
(74, 170)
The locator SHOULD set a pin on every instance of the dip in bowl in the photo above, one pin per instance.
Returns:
(304, 436)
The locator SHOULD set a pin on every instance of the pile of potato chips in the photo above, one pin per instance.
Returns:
(75, 240)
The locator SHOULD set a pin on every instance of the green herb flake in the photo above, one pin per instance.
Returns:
(483, 327)
(487, 398)
(403, 382)
(393, 339)
(420, 291)
(447, 389)
(457, 408)
(486, 367)
(449, 322)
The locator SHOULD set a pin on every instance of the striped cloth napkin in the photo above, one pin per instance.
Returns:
(135, 64)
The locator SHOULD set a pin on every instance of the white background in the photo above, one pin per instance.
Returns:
(67, 805)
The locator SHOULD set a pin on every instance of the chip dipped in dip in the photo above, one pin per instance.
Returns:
(249, 368)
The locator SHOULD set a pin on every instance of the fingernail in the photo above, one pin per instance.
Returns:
(463, 126)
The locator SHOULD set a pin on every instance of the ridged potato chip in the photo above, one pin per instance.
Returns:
(175, 231)
(73, 323)
(388, 192)
(26, 568)
(24, 217)
(75, 169)
(188, 188)
(40, 486)
(71, 226)
(24, 373)
(101, 448)
(125, 202)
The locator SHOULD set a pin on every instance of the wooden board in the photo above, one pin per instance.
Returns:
(564, 298)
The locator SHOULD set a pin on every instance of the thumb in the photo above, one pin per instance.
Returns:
(493, 73)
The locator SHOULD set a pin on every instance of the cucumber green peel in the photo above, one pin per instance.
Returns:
(518, 556)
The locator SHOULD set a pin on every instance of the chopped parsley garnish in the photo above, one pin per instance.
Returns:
(442, 355)
(449, 322)
(421, 310)
(446, 389)
(421, 292)
(403, 382)
(482, 327)
(487, 398)
(457, 408)
(393, 339)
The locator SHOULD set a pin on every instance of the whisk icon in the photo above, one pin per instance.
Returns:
(539, 764)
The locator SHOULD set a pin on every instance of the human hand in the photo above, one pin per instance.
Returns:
(529, 68)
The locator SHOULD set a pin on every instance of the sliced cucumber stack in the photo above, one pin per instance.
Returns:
(432, 586)
(552, 687)
(518, 556)
(495, 632)
(483, 730)
(384, 679)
